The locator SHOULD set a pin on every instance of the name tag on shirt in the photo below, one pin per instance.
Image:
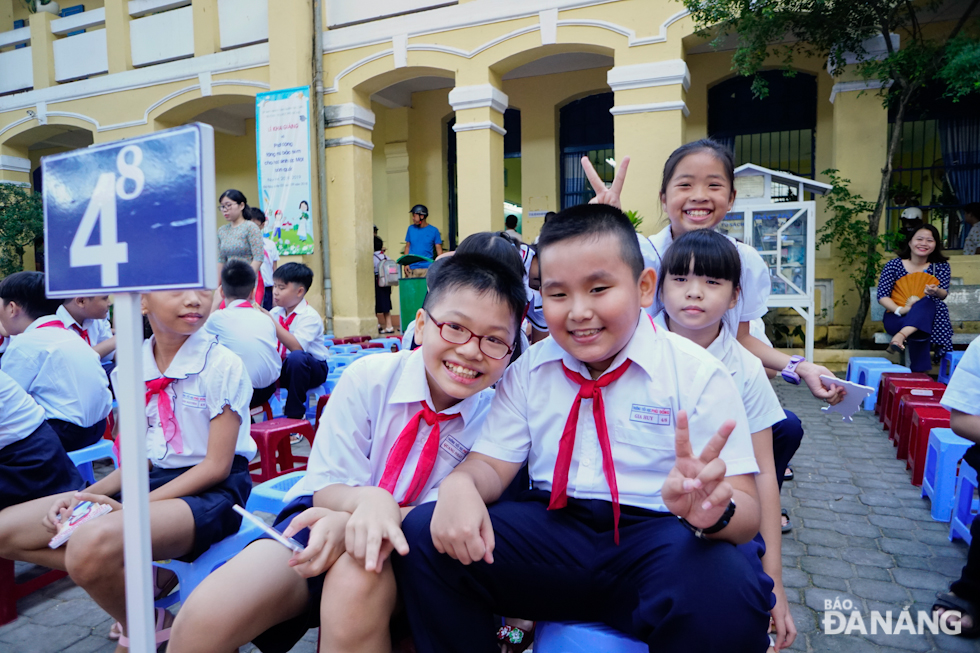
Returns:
(651, 415)
(194, 401)
(454, 448)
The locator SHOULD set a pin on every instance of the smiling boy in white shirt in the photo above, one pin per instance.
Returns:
(624, 489)
(395, 425)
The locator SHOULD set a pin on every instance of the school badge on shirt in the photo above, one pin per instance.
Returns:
(194, 401)
(454, 448)
(651, 415)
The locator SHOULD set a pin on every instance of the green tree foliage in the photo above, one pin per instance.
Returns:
(939, 43)
(21, 221)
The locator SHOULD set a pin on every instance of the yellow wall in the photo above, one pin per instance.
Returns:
(428, 181)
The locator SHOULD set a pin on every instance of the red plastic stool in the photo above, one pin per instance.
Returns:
(889, 403)
(924, 419)
(11, 590)
(272, 439)
(903, 431)
(342, 341)
(372, 345)
(884, 384)
(899, 392)
(356, 340)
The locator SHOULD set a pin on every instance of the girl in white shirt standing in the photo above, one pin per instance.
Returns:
(198, 443)
(699, 283)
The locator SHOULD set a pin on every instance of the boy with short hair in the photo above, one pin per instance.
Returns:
(299, 329)
(88, 317)
(628, 492)
(395, 426)
(244, 330)
(53, 364)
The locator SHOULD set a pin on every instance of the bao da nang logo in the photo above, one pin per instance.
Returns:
(842, 618)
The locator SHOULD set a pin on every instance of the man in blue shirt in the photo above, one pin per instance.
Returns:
(421, 239)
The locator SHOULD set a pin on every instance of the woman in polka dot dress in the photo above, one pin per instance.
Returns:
(922, 322)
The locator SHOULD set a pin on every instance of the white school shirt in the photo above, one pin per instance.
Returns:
(19, 414)
(761, 404)
(60, 371)
(374, 400)
(98, 330)
(209, 377)
(668, 373)
(963, 391)
(755, 281)
(270, 256)
(307, 328)
(250, 334)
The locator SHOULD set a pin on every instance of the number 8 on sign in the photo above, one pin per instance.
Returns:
(102, 209)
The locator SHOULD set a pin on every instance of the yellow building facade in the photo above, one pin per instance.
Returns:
(415, 94)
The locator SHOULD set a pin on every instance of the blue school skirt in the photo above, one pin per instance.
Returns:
(36, 467)
(74, 437)
(214, 518)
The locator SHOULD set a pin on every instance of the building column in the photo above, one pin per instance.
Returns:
(350, 207)
(479, 157)
(118, 48)
(650, 118)
(42, 49)
(207, 37)
(540, 174)
(860, 135)
(6, 15)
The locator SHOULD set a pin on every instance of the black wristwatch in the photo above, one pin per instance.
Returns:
(722, 522)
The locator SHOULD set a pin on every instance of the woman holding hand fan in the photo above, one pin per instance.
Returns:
(912, 289)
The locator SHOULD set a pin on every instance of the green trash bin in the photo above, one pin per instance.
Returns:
(411, 292)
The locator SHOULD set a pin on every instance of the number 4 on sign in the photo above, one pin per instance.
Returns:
(101, 209)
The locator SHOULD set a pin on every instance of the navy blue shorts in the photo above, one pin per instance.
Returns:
(283, 636)
(214, 518)
(74, 437)
(36, 467)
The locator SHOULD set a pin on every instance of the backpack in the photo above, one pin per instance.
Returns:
(388, 273)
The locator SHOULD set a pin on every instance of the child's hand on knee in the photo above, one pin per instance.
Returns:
(461, 525)
(59, 511)
(326, 543)
(696, 489)
(375, 530)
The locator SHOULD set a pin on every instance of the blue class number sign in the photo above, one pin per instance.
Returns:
(135, 215)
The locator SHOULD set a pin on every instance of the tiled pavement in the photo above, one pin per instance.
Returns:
(862, 533)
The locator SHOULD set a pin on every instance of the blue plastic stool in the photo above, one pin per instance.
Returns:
(331, 382)
(869, 374)
(82, 458)
(339, 361)
(191, 574)
(388, 343)
(578, 637)
(945, 451)
(312, 397)
(854, 361)
(964, 508)
(327, 341)
(948, 365)
(269, 496)
(344, 349)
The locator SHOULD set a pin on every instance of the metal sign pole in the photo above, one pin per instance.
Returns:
(135, 473)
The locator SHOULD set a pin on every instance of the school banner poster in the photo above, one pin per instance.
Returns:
(282, 127)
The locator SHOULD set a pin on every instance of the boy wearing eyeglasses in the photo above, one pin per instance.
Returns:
(395, 426)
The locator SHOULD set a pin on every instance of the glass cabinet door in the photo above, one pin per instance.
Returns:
(780, 237)
(733, 225)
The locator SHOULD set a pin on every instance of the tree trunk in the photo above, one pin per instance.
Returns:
(874, 222)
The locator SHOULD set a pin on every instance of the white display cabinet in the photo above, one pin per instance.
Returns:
(771, 214)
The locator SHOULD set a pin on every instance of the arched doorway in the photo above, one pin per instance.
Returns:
(585, 129)
(776, 131)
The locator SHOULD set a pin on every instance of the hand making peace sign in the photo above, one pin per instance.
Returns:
(696, 488)
(605, 195)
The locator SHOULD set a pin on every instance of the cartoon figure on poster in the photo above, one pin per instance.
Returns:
(283, 143)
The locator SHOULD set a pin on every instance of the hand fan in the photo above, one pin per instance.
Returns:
(913, 284)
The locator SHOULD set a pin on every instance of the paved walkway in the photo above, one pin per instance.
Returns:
(862, 533)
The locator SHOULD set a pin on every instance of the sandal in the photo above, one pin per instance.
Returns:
(162, 630)
(159, 591)
(897, 346)
(517, 640)
(788, 476)
(788, 526)
(389, 330)
(950, 601)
